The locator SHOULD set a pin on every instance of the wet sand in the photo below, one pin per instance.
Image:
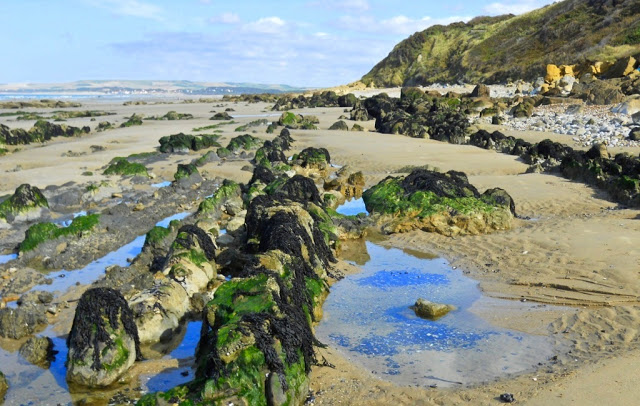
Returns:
(577, 250)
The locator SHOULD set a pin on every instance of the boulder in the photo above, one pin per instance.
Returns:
(340, 126)
(553, 74)
(565, 84)
(103, 342)
(360, 114)
(634, 134)
(481, 91)
(38, 351)
(158, 311)
(622, 67)
(431, 310)
(599, 92)
(629, 107)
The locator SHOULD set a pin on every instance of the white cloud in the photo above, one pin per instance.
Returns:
(226, 18)
(515, 7)
(131, 8)
(267, 25)
(350, 5)
(399, 25)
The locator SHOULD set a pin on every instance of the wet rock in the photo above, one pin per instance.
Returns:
(348, 184)
(36, 297)
(103, 343)
(21, 322)
(225, 240)
(430, 310)
(507, 398)
(38, 351)
(185, 142)
(21, 281)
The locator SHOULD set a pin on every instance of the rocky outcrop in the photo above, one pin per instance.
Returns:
(298, 121)
(445, 203)
(339, 126)
(320, 99)
(221, 116)
(245, 142)
(103, 342)
(349, 184)
(417, 115)
(27, 202)
(257, 341)
(185, 142)
(40, 132)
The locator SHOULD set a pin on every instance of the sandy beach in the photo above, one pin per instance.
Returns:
(573, 255)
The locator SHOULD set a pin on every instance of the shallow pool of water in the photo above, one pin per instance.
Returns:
(367, 316)
(63, 280)
(33, 385)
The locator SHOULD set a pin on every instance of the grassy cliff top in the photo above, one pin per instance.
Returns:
(495, 49)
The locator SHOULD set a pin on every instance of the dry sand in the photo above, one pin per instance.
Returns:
(578, 249)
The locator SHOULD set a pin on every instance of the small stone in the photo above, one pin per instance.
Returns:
(507, 398)
(138, 207)
(116, 195)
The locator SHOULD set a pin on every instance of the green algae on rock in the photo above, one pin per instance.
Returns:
(40, 132)
(445, 203)
(26, 198)
(185, 170)
(41, 232)
(185, 142)
(134, 120)
(228, 190)
(122, 166)
(4, 386)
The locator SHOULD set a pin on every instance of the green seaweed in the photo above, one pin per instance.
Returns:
(228, 189)
(41, 232)
(132, 121)
(12, 205)
(184, 171)
(121, 166)
(156, 235)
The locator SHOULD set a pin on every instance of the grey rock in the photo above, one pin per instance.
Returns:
(38, 351)
(21, 322)
(431, 310)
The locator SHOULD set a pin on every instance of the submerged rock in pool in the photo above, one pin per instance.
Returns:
(38, 351)
(431, 310)
(103, 343)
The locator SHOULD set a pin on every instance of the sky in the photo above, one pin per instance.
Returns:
(310, 43)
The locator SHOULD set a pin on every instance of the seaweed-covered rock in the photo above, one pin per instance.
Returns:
(300, 189)
(256, 344)
(103, 343)
(297, 121)
(245, 141)
(598, 92)
(185, 171)
(339, 126)
(40, 132)
(121, 166)
(185, 142)
(221, 116)
(348, 100)
(437, 202)
(360, 114)
(229, 190)
(38, 351)
(269, 154)
(523, 109)
(314, 157)
(349, 184)
(26, 199)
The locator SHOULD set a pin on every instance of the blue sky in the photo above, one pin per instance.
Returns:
(302, 43)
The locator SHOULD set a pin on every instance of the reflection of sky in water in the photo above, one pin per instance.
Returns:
(63, 280)
(6, 258)
(67, 222)
(368, 315)
(352, 207)
(161, 184)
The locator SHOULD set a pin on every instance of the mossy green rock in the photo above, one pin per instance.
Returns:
(438, 202)
(26, 198)
(122, 166)
(185, 170)
(41, 232)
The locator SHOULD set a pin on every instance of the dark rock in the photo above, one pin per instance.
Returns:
(348, 100)
(38, 351)
(340, 126)
(598, 92)
(25, 199)
(103, 343)
(360, 114)
(481, 91)
(507, 398)
(185, 142)
(4, 386)
(300, 189)
(634, 134)
(221, 116)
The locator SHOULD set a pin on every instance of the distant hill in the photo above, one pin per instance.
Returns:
(495, 49)
(146, 86)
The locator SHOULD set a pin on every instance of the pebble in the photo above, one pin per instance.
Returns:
(594, 124)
